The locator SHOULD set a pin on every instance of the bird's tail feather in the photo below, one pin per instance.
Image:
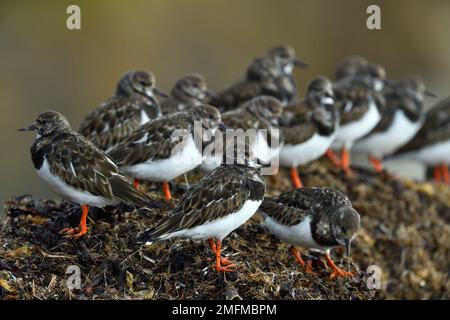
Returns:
(148, 237)
(125, 191)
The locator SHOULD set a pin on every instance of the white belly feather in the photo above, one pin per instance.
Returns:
(68, 192)
(297, 235)
(186, 159)
(384, 143)
(219, 228)
(434, 154)
(347, 134)
(300, 154)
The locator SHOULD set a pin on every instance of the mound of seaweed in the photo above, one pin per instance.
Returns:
(405, 232)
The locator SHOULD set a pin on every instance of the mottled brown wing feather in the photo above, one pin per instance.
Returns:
(291, 207)
(217, 194)
(82, 165)
(113, 122)
(153, 141)
(170, 105)
(296, 123)
(237, 93)
(357, 95)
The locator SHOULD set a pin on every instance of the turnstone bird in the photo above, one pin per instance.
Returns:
(132, 105)
(431, 145)
(167, 147)
(260, 113)
(308, 127)
(77, 169)
(189, 91)
(269, 74)
(402, 118)
(214, 206)
(350, 67)
(360, 103)
(314, 218)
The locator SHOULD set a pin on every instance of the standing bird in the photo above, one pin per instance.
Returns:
(213, 207)
(133, 105)
(189, 91)
(260, 113)
(258, 120)
(78, 170)
(431, 145)
(360, 103)
(167, 147)
(314, 218)
(402, 118)
(308, 127)
(269, 74)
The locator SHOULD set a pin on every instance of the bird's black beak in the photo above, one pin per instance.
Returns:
(222, 126)
(430, 94)
(300, 63)
(160, 93)
(31, 127)
(347, 247)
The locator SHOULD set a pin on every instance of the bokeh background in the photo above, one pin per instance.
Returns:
(44, 65)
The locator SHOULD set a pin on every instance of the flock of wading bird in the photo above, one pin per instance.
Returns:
(129, 138)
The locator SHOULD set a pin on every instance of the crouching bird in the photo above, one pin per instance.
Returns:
(314, 218)
(217, 204)
(78, 170)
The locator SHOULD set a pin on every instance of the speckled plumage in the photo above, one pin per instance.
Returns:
(259, 113)
(358, 82)
(79, 164)
(304, 118)
(435, 130)
(153, 140)
(218, 194)
(269, 74)
(406, 95)
(189, 91)
(132, 105)
(332, 216)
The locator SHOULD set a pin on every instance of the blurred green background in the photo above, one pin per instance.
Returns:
(44, 65)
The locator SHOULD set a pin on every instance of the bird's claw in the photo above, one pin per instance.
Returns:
(76, 232)
(341, 273)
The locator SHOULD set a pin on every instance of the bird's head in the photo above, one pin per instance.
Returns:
(47, 123)
(265, 107)
(138, 82)
(351, 66)
(209, 116)
(344, 225)
(320, 90)
(192, 88)
(284, 55)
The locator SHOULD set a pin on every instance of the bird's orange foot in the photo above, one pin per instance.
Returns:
(308, 268)
(337, 272)
(77, 232)
(377, 164)
(223, 261)
(229, 268)
(341, 273)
